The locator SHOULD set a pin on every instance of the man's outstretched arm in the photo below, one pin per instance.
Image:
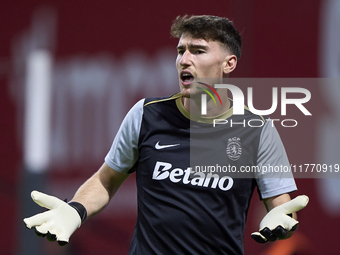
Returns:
(97, 191)
(62, 219)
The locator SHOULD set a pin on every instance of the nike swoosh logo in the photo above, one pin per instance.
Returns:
(159, 147)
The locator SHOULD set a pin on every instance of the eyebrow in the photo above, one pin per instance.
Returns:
(192, 46)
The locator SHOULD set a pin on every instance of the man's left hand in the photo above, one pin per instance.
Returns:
(278, 222)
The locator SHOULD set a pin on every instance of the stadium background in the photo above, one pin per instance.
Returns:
(109, 54)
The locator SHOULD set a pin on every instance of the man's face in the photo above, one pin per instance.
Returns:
(197, 59)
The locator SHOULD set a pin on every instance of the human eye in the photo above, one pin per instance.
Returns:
(180, 52)
(198, 52)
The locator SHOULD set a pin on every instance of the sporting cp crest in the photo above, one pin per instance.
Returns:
(234, 148)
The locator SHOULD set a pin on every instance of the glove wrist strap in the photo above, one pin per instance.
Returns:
(80, 210)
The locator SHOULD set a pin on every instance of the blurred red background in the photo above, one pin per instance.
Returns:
(122, 50)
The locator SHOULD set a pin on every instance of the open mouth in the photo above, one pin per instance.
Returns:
(187, 78)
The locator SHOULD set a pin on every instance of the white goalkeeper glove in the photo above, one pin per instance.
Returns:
(60, 221)
(277, 223)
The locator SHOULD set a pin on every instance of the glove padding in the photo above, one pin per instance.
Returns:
(278, 222)
(58, 223)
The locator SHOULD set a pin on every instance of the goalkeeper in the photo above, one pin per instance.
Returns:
(181, 211)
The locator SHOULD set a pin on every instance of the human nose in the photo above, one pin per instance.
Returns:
(185, 58)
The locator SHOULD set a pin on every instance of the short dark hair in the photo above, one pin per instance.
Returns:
(209, 27)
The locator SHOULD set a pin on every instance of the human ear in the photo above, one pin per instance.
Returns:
(230, 64)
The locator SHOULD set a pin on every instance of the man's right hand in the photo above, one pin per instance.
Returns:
(58, 223)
